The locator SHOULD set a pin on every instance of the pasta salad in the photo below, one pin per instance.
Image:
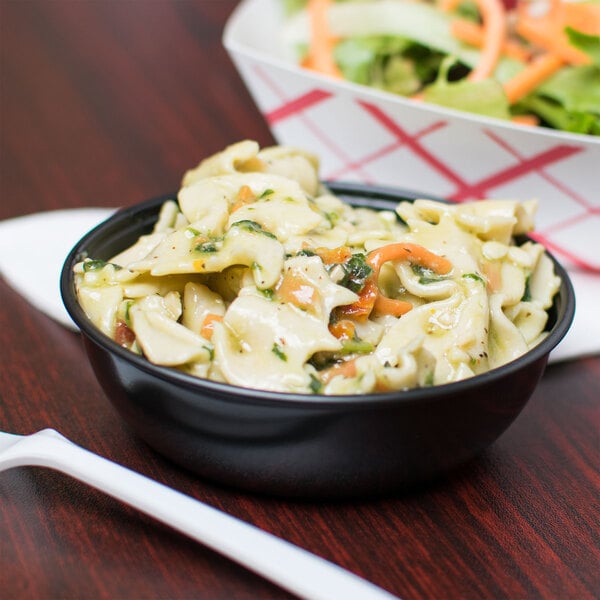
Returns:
(258, 276)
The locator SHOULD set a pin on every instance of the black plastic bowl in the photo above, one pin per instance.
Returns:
(303, 445)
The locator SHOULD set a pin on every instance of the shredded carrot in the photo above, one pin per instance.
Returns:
(494, 25)
(473, 34)
(583, 16)
(529, 120)
(413, 253)
(345, 369)
(548, 31)
(534, 74)
(208, 325)
(363, 307)
(553, 9)
(297, 291)
(244, 196)
(493, 16)
(555, 42)
(390, 306)
(448, 5)
(331, 256)
(343, 329)
(371, 298)
(322, 42)
(493, 277)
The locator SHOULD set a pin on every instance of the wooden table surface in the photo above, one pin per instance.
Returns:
(107, 103)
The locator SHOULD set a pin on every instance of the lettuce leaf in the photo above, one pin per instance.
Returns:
(485, 97)
(555, 115)
(569, 100)
(390, 63)
(590, 44)
(576, 88)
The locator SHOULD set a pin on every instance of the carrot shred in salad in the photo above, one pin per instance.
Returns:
(320, 56)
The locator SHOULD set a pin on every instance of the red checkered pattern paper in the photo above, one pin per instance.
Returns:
(362, 136)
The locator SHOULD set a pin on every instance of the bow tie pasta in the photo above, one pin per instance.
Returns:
(258, 276)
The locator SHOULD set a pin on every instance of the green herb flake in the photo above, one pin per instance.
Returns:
(206, 247)
(97, 264)
(306, 252)
(316, 385)
(426, 276)
(127, 315)
(333, 218)
(527, 297)
(356, 272)
(252, 227)
(278, 352)
(93, 265)
(267, 192)
(474, 277)
(268, 293)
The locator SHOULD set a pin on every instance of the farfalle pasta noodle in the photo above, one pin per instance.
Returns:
(256, 275)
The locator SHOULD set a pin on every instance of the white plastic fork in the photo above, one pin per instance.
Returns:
(290, 567)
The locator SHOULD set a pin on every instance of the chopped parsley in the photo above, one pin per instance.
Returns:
(332, 217)
(252, 227)
(527, 297)
(127, 315)
(206, 247)
(306, 252)
(426, 275)
(278, 352)
(316, 385)
(97, 264)
(267, 192)
(356, 272)
(268, 293)
(474, 277)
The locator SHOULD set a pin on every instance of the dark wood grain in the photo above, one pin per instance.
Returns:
(106, 103)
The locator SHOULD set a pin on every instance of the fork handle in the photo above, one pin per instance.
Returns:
(288, 566)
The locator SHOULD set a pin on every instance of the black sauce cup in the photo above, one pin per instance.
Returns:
(300, 445)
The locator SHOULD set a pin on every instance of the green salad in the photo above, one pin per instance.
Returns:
(538, 63)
